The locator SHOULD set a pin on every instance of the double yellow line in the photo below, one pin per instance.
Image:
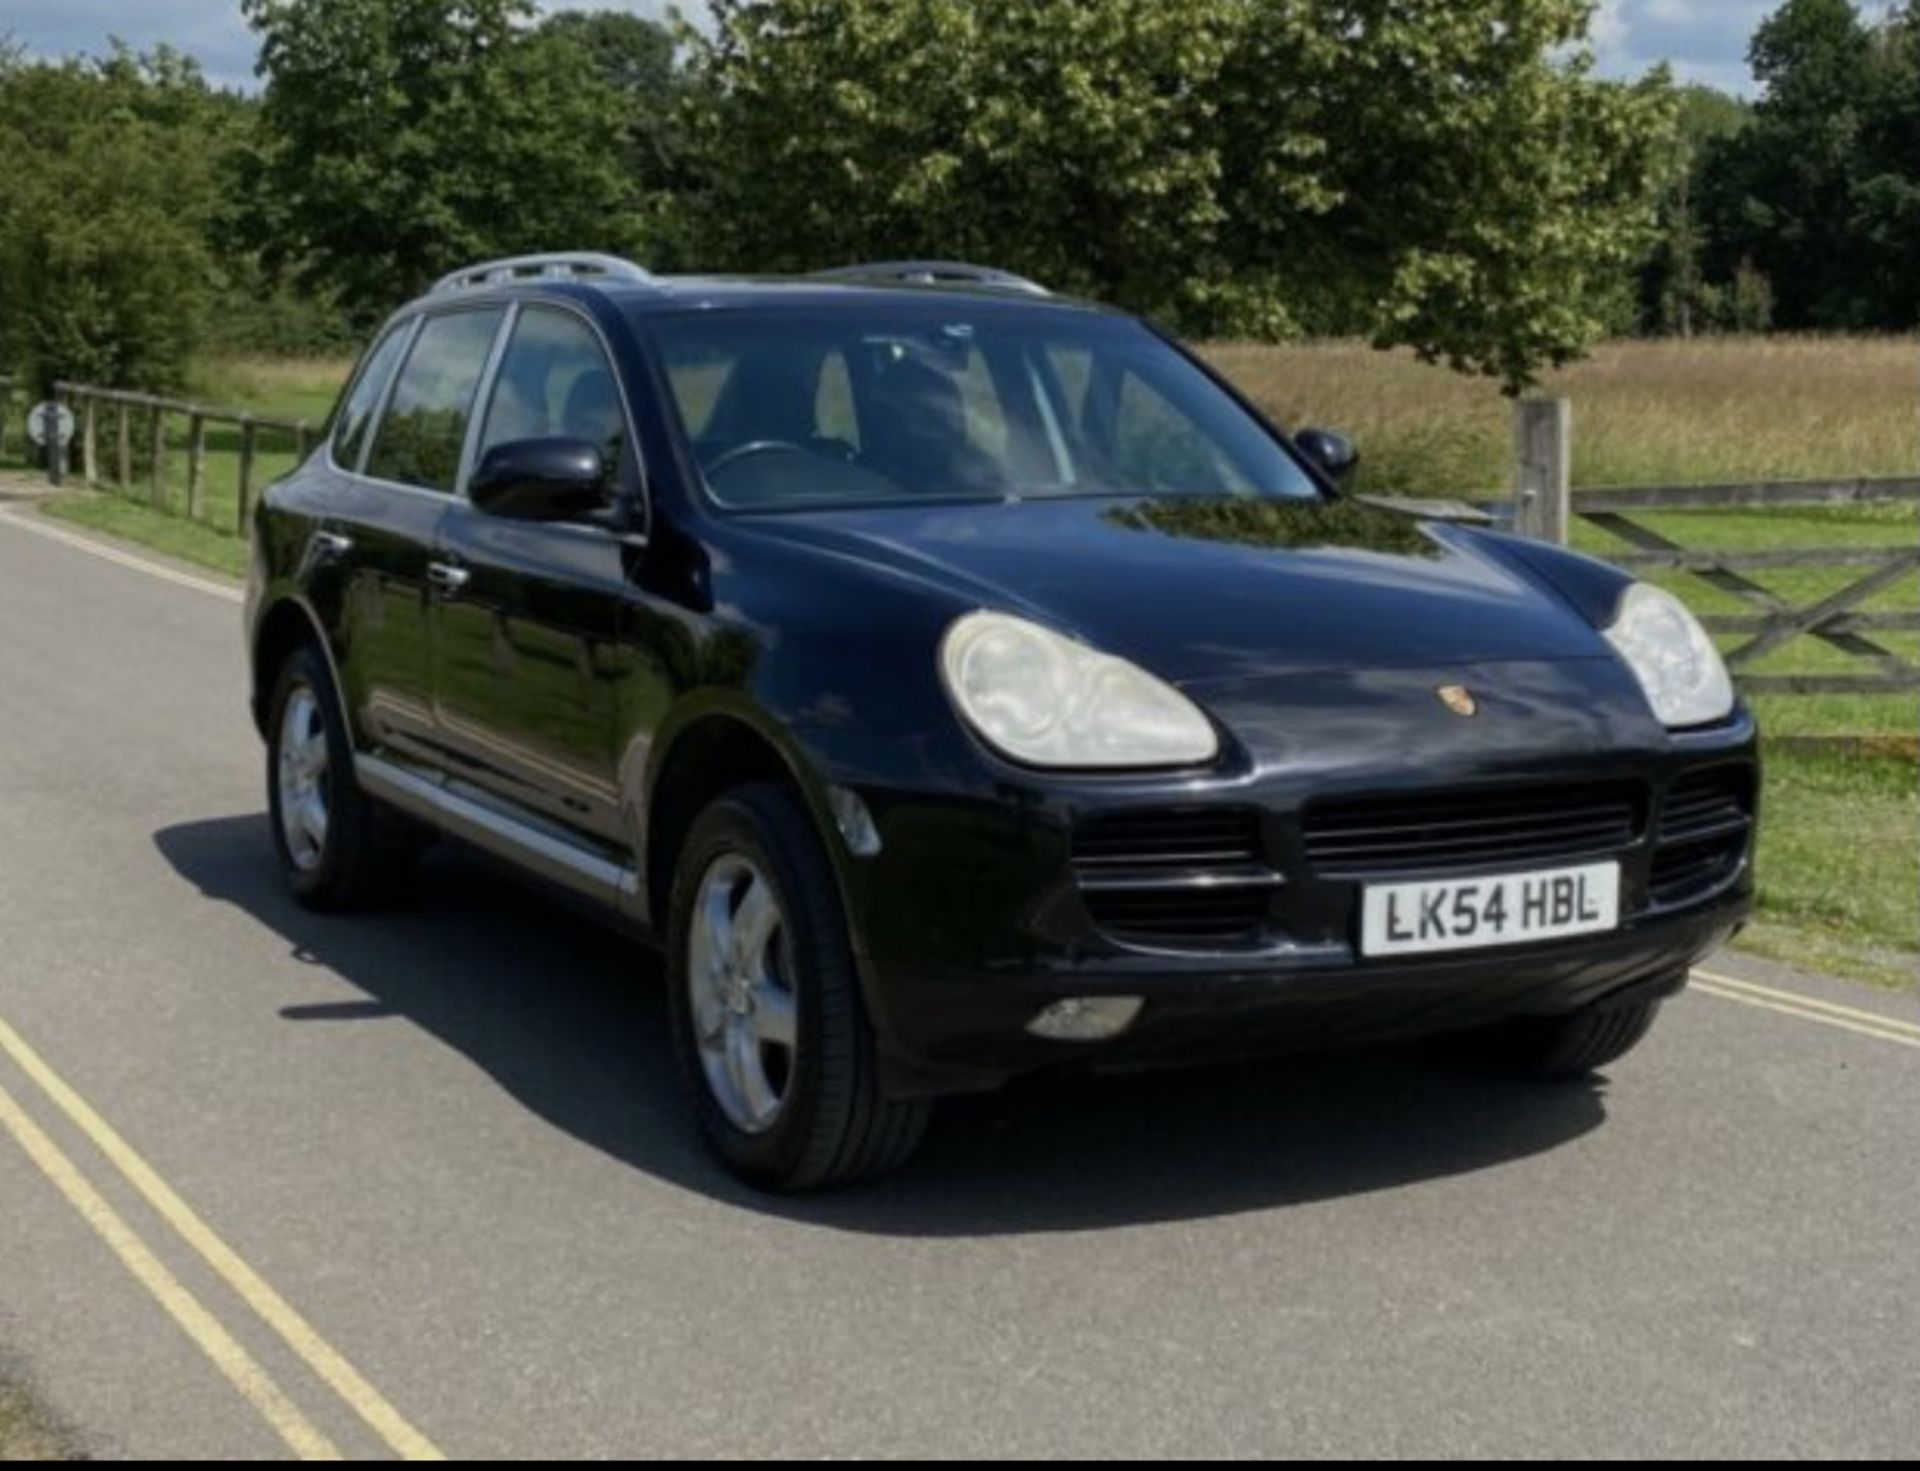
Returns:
(200, 1325)
(1789, 1003)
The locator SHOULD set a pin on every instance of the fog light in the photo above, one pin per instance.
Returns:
(1086, 1018)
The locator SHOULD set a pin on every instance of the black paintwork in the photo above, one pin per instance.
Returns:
(589, 670)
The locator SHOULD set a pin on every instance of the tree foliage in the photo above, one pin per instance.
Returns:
(1441, 174)
(112, 194)
(403, 138)
(1430, 172)
(1817, 201)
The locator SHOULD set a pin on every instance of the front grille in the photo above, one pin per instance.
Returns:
(1183, 878)
(1706, 824)
(1174, 837)
(1446, 833)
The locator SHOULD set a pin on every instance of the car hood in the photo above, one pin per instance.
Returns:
(1198, 590)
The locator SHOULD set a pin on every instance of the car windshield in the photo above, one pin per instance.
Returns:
(959, 399)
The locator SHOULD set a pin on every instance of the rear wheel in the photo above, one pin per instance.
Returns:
(1561, 1047)
(338, 849)
(769, 1026)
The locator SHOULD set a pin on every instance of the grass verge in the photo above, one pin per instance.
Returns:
(117, 516)
(1839, 867)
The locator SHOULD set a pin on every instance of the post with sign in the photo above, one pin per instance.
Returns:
(50, 427)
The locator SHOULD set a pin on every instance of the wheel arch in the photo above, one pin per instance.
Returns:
(287, 625)
(705, 753)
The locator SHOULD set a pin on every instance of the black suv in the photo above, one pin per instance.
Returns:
(954, 681)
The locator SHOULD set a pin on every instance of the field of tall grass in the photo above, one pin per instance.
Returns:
(1645, 413)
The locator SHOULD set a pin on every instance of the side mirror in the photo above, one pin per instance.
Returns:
(540, 480)
(1333, 453)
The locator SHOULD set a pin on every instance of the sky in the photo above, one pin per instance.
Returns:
(1704, 40)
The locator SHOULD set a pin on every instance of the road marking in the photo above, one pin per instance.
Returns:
(119, 558)
(1882, 1029)
(1792, 998)
(298, 1334)
(234, 1362)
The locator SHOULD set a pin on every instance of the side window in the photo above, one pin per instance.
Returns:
(356, 412)
(425, 427)
(555, 383)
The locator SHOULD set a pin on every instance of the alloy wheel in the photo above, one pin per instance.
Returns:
(306, 790)
(739, 976)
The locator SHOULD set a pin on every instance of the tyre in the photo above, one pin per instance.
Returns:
(338, 848)
(1560, 1047)
(769, 1027)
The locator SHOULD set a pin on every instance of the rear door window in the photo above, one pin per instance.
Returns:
(424, 430)
(356, 412)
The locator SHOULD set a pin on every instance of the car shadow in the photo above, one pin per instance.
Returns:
(568, 1016)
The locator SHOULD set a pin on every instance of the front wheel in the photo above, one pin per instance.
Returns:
(769, 1026)
(337, 848)
(1562, 1046)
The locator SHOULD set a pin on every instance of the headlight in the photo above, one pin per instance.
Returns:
(1049, 701)
(1670, 653)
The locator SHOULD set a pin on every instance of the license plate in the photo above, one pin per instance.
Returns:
(1507, 909)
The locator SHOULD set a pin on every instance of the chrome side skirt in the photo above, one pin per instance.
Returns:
(486, 823)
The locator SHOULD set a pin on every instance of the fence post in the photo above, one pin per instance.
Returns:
(124, 426)
(196, 464)
(1542, 468)
(6, 408)
(246, 472)
(89, 440)
(158, 429)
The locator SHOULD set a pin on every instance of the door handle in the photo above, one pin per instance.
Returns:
(329, 546)
(449, 579)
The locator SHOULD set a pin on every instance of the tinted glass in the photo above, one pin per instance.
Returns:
(350, 423)
(846, 405)
(425, 426)
(555, 383)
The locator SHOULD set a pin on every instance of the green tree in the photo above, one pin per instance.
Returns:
(1822, 193)
(635, 57)
(403, 138)
(1429, 172)
(111, 195)
(1676, 295)
(1439, 174)
(1070, 141)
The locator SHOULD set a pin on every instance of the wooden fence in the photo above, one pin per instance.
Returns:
(1545, 506)
(14, 445)
(142, 447)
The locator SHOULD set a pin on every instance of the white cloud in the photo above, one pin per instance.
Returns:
(1702, 40)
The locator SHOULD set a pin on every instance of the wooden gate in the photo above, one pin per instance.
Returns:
(1835, 619)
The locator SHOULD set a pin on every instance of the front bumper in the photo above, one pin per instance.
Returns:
(957, 1032)
(972, 920)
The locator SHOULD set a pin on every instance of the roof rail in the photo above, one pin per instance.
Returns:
(935, 273)
(556, 266)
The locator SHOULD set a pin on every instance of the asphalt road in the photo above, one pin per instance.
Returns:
(422, 1181)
